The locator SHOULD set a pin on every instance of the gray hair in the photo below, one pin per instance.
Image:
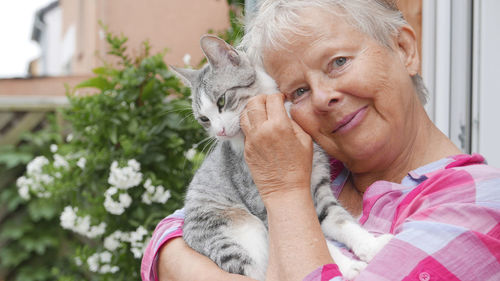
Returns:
(380, 19)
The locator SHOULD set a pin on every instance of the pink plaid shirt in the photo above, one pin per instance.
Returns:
(445, 217)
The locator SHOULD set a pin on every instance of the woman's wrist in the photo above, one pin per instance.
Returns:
(297, 244)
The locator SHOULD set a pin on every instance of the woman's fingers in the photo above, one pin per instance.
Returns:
(254, 113)
(261, 109)
(275, 108)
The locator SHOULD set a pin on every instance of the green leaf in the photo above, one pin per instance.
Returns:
(39, 209)
(12, 159)
(14, 229)
(11, 257)
(147, 91)
(97, 82)
(113, 136)
(105, 71)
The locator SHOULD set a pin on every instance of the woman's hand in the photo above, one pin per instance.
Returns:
(279, 155)
(178, 262)
(277, 151)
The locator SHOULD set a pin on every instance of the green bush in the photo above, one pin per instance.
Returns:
(123, 168)
(86, 203)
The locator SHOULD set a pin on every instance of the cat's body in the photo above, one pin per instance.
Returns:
(225, 217)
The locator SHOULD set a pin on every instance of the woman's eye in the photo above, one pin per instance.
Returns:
(338, 62)
(204, 119)
(299, 93)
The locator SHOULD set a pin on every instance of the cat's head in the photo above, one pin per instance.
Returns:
(221, 88)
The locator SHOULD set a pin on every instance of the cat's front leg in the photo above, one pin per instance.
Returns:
(338, 225)
(349, 267)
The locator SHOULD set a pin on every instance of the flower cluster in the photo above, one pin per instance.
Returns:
(81, 225)
(81, 163)
(126, 177)
(121, 179)
(135, 238)
(101, 263)
(116, 207)
(35, 179)
(157, 194)
(137, 242)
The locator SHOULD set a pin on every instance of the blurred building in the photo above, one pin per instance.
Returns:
(72, 41)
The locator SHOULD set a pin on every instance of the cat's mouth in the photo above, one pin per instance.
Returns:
(223, 135)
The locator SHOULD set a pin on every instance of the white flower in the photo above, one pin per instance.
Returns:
(137, 245)
(100, 262)
(113, 241)
(69, 137)
(23, 187)
(93, 262)
(59, 162)
(116, 207)
(97, 230)
(190, 154)
(162, 195)
(68, 217)
(35, 180)
(78, 261)
(81, 163)
(105, 257)
(35, 166)
(81, 225)
(156, 194)
(126, 177)
(187, 59)
(53, 148)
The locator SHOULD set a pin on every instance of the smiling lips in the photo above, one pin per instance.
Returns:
(350, 120)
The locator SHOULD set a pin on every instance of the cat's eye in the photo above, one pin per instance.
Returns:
(221, 101)
(204, 119)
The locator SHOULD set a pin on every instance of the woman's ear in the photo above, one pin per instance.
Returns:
(408, 50)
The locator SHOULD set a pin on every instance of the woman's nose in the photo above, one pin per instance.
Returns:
(324, 100)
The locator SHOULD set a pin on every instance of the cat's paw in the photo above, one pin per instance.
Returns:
(366, 251)
(350, 269)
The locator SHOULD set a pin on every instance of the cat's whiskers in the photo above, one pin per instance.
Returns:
(191, 114)
(210, 143)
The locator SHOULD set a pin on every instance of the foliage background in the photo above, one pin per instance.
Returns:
(140, 112)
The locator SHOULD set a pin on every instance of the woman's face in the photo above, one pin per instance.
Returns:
(354, 96)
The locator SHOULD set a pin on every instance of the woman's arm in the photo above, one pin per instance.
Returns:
(279, 155)
(167, 256)
(177, 261)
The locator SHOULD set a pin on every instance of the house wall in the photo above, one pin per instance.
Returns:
(175, 24)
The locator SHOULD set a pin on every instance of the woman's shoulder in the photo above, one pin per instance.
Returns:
(461, 170)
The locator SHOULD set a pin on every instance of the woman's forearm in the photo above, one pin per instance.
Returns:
(178, 261)
(297, 244)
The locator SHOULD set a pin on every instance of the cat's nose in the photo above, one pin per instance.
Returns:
(221, 133)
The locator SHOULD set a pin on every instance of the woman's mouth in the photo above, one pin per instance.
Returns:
(350, 120)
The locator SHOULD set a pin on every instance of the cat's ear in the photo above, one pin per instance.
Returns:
(187, 75)
(218, 52)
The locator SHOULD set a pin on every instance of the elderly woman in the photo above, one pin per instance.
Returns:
(350, 69)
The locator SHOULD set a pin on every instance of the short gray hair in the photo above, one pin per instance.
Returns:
(380, 19)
